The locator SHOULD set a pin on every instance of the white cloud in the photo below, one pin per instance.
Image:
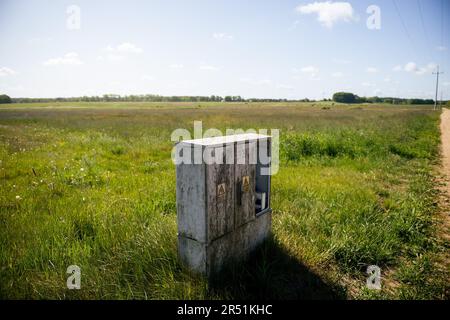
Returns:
(387, 79)
(329, 13)
(129, 47)
(446, 84)
(112, 57)
(441, 48)
(310, 69)
(209, 68)
(70, 58)
(222, 35)
(256, 82)
(176, 66)
(337, 75)
(341, 61)
(412, 67)
(344, 88)
(367, 84)
(372, 70)
(5, 71)
(147, 77)
(119, 52)
(285, 86)
(125, 47)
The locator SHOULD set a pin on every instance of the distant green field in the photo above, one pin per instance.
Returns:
(93, 185)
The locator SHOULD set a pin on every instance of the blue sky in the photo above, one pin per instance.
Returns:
(275, 49)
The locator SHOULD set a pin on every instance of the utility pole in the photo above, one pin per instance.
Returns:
(437, 86)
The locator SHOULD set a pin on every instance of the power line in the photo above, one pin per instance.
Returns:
(430, 48)
(405, 29)
(444, 44)
(448, 54)
(437, 73)
(425, 30)
(442, 22)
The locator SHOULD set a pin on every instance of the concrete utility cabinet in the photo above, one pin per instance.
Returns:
(223, 207)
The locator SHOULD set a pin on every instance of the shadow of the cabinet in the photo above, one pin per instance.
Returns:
(271, 273)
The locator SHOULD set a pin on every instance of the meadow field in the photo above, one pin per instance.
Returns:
(93, 185)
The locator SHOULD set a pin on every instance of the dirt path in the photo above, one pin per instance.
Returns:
(445, 186)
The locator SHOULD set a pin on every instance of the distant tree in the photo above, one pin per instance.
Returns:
(420, 101)
(360, 100)
(5, 99)
(374, 100)
(344, 97)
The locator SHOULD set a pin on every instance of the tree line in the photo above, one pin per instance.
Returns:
(151, 98)
(5, 99)
(347, 97)
(339, 97)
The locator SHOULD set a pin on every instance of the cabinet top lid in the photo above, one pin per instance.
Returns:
(226, 139)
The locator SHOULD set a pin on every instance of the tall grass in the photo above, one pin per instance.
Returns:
(95, 187)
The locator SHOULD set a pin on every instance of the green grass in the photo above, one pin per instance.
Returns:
(92, 184)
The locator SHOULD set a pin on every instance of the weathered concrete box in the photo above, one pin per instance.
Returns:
(223, 199)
